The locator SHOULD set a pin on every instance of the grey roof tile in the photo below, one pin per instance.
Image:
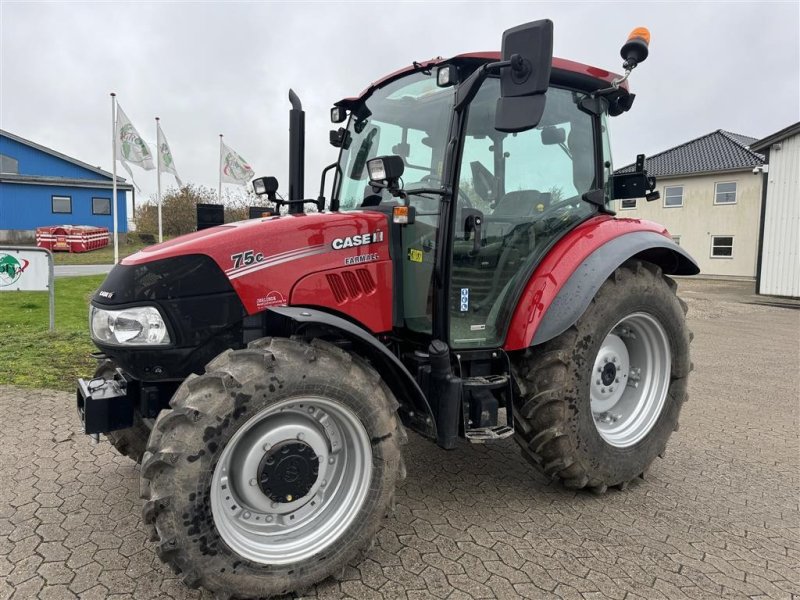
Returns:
(744, 140)
(716, 151)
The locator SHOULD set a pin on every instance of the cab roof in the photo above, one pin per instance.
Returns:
(567, 72)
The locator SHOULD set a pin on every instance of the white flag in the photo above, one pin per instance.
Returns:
(233, 168)
(165, 162)
(131, 148)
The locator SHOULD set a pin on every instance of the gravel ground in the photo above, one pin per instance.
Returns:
(718, 516)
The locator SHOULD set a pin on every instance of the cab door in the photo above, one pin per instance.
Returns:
(527, 189)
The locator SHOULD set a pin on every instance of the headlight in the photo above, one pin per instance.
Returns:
(138, 326)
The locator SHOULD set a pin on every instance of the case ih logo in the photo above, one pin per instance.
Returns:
(352, 241)
(11, 269)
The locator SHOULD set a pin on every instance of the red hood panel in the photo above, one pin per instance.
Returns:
(264, 258)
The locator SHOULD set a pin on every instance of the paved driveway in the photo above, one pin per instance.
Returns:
(718, 516)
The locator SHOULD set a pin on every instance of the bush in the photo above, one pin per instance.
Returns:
(179, 210)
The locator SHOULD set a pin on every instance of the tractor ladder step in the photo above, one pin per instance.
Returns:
(489, 434)
(486, 382)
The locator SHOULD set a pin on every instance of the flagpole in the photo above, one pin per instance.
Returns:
(114, 171)
(220, 169)
(158, 178)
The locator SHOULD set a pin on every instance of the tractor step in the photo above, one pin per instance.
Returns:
(482, 435)
(486, 382)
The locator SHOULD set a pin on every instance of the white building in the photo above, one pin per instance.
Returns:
(778, 272)
(710, 201)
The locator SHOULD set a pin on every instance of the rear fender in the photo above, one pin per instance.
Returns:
(570, 275)
(415, 411)
(575, 295)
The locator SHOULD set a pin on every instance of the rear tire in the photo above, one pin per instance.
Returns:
(221, 503)
(132, 441)
(579, 418)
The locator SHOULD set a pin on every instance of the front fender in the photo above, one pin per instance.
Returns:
(415, 410)
(567, 279)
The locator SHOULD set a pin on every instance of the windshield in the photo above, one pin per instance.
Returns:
(410, 118)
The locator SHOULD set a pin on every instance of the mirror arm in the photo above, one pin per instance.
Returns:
(439, 191)
(321, 197)
(404, 194)
(501, 64)
(468, 89)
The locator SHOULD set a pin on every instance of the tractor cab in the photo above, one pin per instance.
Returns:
(486, 212)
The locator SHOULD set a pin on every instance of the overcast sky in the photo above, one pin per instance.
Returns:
(211, 68)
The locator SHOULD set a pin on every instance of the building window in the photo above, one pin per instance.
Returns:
(101, 206)
(676, 239)
(725, 193)
(62, 204)
(8, 164)
(673, 196)
(627, 204)
(721, 246)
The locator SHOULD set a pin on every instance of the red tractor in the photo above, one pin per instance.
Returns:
(466, 279)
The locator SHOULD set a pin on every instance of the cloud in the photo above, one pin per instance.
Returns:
(207, 69)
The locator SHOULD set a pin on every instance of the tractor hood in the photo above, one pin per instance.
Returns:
(261, 259)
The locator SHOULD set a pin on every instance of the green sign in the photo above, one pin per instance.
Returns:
(11, 269)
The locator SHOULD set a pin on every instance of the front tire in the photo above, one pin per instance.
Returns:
(600, 401)
(272, 470)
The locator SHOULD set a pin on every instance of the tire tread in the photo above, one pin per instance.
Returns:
(543, 376)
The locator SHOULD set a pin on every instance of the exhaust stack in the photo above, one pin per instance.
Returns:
(297, 151)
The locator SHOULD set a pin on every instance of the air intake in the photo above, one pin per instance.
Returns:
(351, 285)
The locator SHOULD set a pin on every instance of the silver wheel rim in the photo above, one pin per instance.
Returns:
(630, 380)
(269, 532)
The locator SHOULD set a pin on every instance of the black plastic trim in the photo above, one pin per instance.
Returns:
(576, 294)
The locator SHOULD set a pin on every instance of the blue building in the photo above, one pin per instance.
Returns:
(40, 187)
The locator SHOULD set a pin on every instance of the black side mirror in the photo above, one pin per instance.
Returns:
(529, 49)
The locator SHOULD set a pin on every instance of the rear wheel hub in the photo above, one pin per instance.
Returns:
(630, 380)
(288, 471)
(608, 374)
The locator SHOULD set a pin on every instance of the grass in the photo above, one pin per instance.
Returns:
(32, 356)
(103, 256)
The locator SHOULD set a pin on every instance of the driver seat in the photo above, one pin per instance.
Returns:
(514, 208)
